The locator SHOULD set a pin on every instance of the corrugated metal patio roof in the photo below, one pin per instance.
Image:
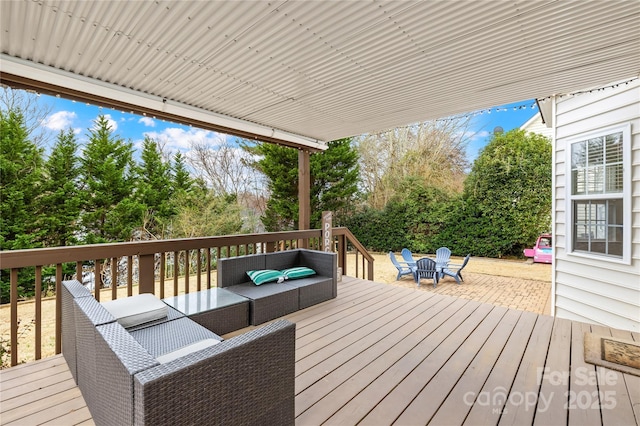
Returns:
(305, 72)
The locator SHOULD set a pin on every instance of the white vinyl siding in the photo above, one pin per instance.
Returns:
(535, 125)
(594, 199)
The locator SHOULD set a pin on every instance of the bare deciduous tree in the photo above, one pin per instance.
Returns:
(34, 112)
(434, 151)
(226, 168)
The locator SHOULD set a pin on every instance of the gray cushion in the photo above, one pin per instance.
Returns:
(136, 310)
(186, 350)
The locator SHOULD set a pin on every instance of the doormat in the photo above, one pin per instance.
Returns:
(617, 354)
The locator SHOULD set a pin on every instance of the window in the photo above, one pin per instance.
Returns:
(600, 191)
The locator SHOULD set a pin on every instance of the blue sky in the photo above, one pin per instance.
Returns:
(79, 116)
(509, 116)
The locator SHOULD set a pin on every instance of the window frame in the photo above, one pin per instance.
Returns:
(625, 195)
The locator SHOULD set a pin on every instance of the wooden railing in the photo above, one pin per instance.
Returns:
(152, 267)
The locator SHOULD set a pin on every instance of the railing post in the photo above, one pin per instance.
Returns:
(129, 276)
(146, 273)
(14, 315)
(39, 311)
(342, 253)
(58, 308)
(327, 231)
(370, 271)
(97, 279)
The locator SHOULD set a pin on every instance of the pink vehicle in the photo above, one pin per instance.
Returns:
(542, 252)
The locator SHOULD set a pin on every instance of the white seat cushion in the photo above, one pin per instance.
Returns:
(136, 310)
(179, 353)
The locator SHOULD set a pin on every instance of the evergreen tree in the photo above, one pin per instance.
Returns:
(280, 165)
(110, 212)
(153, 187)
(182, 180)
(506, 198)
(20, 183)
(20, 186)
(62, 199)
(334, 180)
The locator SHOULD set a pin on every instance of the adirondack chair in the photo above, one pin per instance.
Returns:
(408, 257)
(454, 271)
(426, 268)
(443, 256)
(403, 268)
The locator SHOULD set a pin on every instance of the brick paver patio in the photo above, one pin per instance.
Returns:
(515, 293)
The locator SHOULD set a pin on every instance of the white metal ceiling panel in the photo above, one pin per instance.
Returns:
(321, 70)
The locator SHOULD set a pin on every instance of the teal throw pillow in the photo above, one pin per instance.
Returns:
(262, 276)
(297, 272)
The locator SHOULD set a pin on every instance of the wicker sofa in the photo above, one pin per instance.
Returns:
(273, 300)
(248, 379)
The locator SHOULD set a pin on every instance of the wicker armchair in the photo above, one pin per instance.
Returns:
(248, 379)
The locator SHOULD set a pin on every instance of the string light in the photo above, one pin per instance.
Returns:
(486, 111)
(523, 106)
(533, 105)
(583, 92)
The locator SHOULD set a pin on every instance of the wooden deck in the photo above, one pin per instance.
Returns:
(380, 354)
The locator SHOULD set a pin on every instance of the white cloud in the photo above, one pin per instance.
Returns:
(60, 120)
(147, 121)
(472, 136)
(177, 138)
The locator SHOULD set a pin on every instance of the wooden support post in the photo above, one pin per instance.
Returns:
(327, 232)
(146, 273)
(304, 197)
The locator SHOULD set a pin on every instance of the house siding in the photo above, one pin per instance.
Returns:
(596, 290)
(535, 125)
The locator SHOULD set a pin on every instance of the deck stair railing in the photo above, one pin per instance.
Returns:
(164, 267)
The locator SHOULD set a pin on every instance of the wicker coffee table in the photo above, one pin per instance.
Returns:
(217, 309)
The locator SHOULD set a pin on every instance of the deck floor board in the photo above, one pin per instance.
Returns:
(451, 411)
(424, 361)
(379, 354)
(432, 394)
(554, 390)
(482, 410)
(376, 347)
(352, 333)
(355, 397)
(583, 381)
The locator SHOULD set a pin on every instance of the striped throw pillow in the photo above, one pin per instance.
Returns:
(262, 276)
(297, 272)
